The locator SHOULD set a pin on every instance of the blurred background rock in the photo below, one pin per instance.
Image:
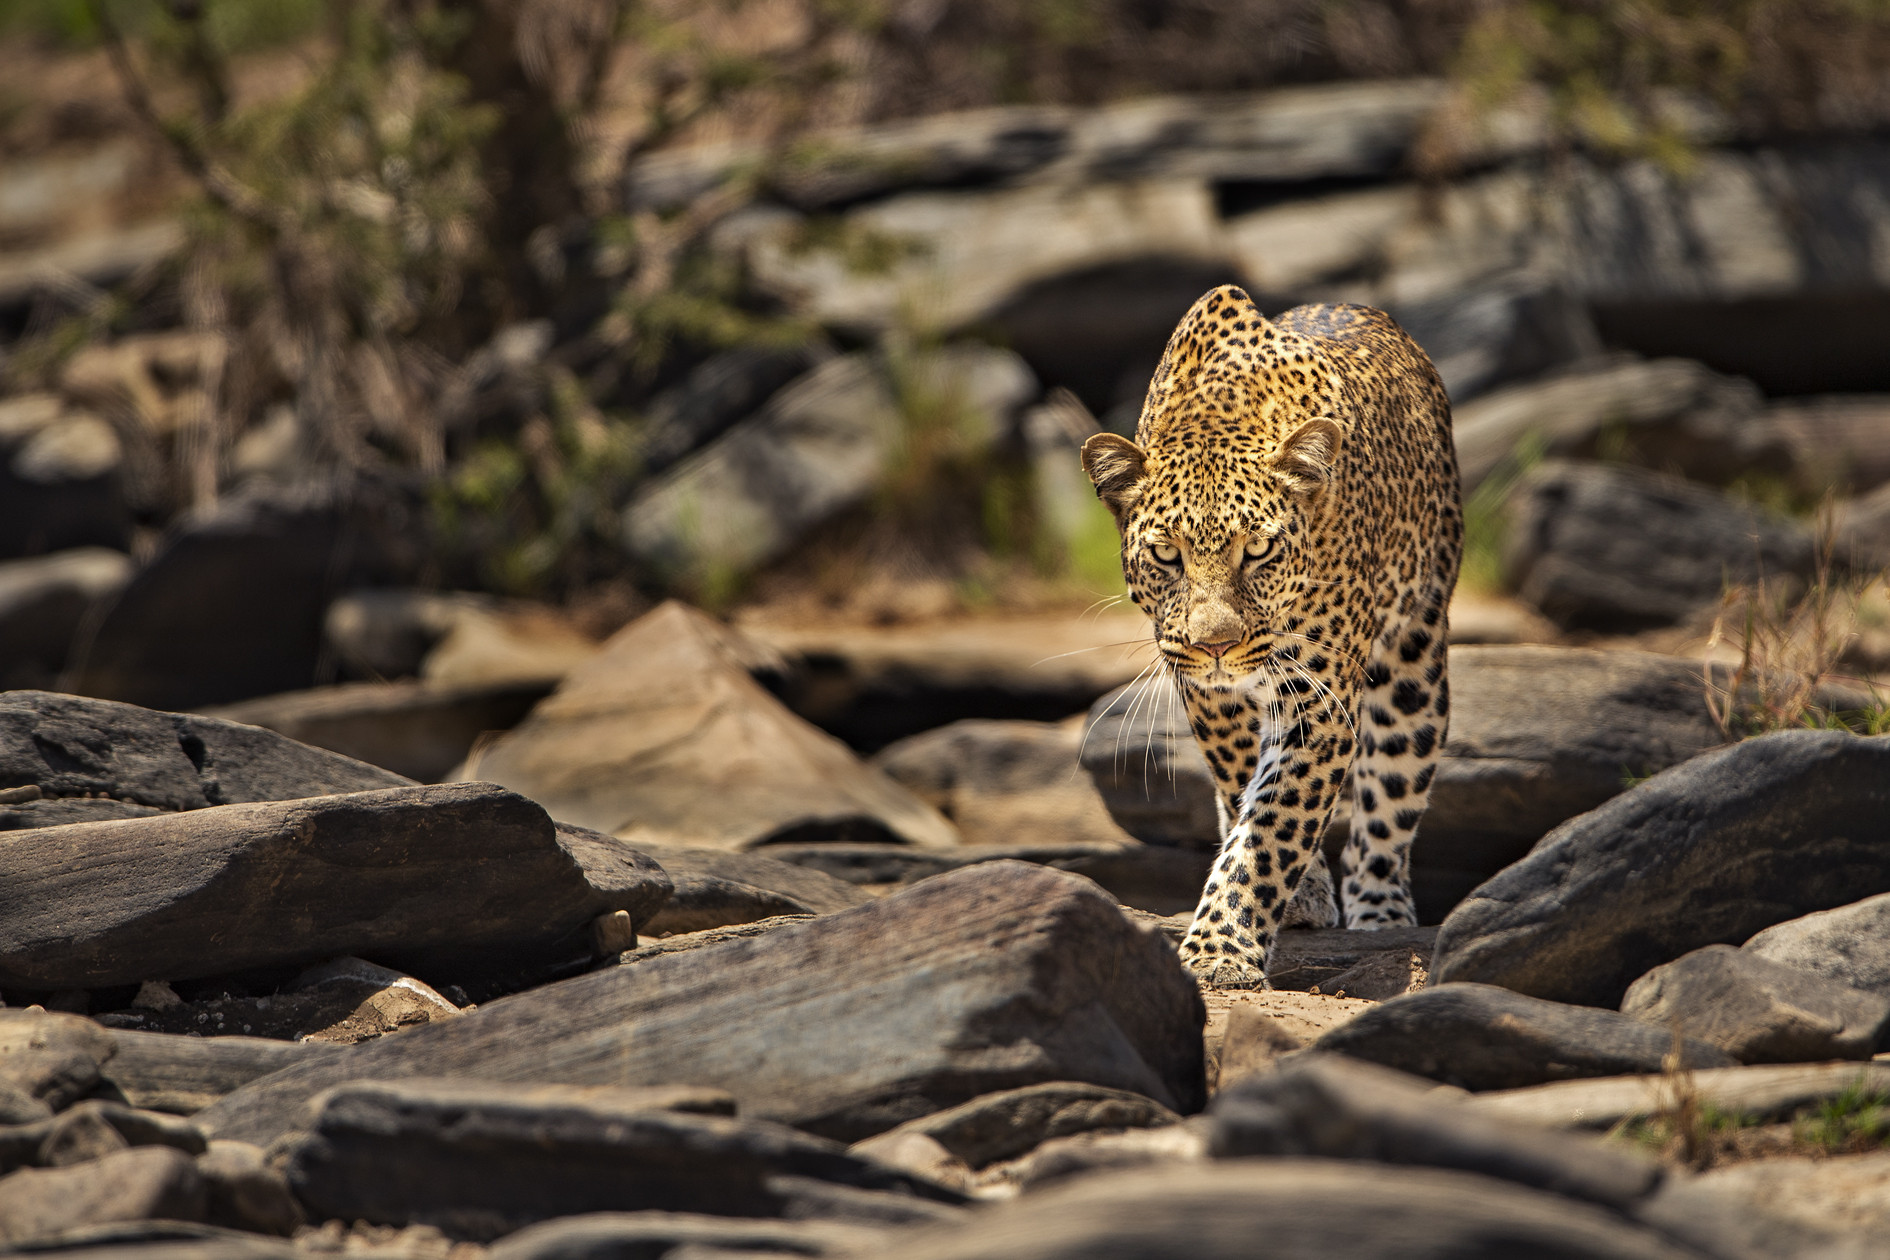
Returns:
(364, 364)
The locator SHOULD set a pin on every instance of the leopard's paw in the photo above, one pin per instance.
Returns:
(1222, 970)
(1396, 910)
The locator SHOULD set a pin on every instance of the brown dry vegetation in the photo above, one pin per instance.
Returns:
(375, 189)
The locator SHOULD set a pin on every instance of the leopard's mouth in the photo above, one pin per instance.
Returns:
(1225, 670)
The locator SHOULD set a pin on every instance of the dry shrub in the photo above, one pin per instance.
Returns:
(1791, 637)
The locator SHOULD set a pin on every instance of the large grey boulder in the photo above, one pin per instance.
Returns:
(1849, 945)
(1538, 735)
(1759, 1011)
(43, 600)
(665, 736)
(1329, 1107)
(231, 605)
(70, 759)
(1478, 1036)
(962, 258)
(1605, 547)
(1657, 400)
(48, 1058)
(1300, 1209)
(821, 445)
(723, 389)
(62, 480)
(479, 1159)
(1298, 133)
(153, 1182)
(714, 888)
(1489, 331)
(1709, 852)
(1749, 222)
(1005, 782)
(844, 1025)
(446, 881)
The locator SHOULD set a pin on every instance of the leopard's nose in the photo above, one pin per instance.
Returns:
(1216, 648)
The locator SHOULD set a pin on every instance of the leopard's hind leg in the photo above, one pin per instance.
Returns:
(1404, 715)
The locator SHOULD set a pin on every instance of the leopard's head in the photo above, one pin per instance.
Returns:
(1221, 500)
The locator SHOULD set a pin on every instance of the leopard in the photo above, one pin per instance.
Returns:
(1291, 522)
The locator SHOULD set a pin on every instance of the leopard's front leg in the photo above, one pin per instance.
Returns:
(1271, 845)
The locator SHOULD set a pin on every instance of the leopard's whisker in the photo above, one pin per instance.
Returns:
(1332, 648)
(1146, 703)
(1148, 742)
(1138, 688)
(1094, 647)
(1134, 697)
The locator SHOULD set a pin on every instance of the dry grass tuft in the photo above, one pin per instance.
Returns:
(1791, 637)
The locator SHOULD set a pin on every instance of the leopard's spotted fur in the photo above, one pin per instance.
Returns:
(1291, 523)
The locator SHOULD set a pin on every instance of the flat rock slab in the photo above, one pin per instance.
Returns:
(664, 736)
(1706, 853)
(434, 880)
(169, 1240)
(1850, 944)
(845, 1025)
(43, 601)
(1759, 1011)
(478, 1160)
(416, 727)
(872, 685)
(1615, 549)
(1331, 1107)
(1006, 782)
(51, 1057)
(91, 1129)
(1478, 1036)
(1567, 412)
(231, 604)
(1149, 877)
(715, 888)
(185, 1074)
(1846, 1194)
(94, 759)
(140, 1184)
(1764, 1093)
(1010, 1122)
(611, 1235)
(1302, 1209)
(818, 447)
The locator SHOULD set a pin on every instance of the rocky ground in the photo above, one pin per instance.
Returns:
(344, 914)
(672, 972)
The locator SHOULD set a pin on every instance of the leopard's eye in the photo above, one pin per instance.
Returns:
(1165, 553)
(1259, 547)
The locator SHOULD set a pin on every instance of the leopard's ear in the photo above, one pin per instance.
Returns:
(1304, 461)
(1116, 466)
